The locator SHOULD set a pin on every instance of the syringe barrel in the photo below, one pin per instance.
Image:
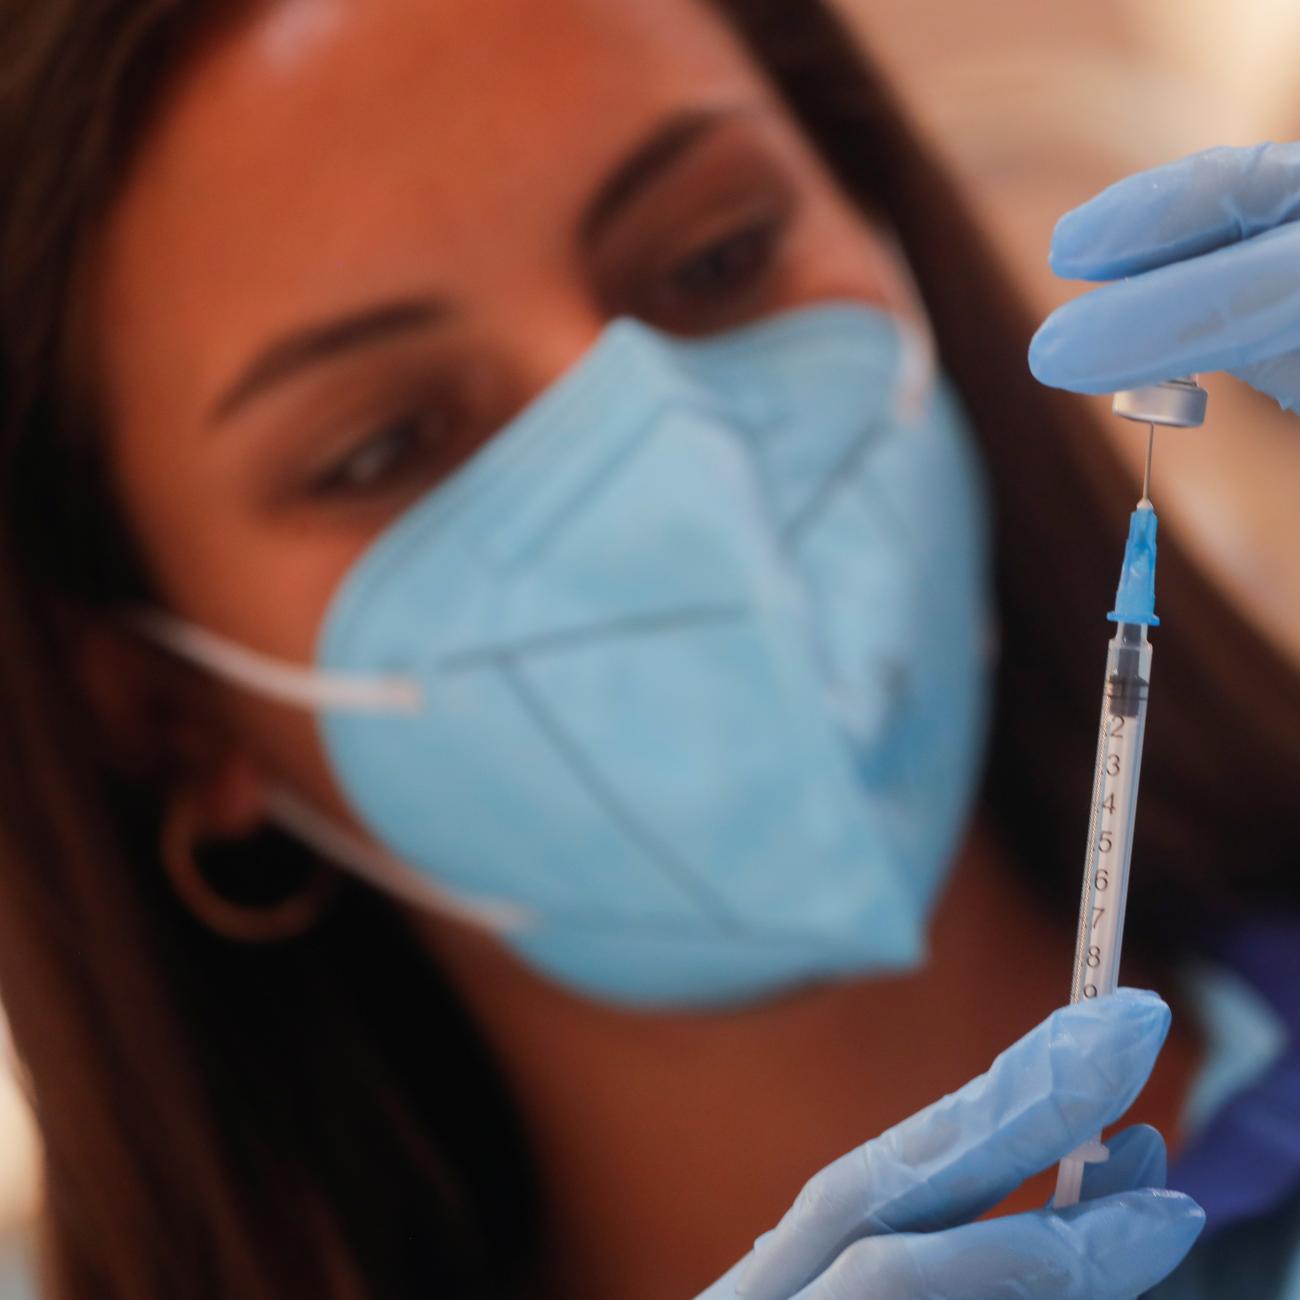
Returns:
(1114, 807)
(1110, 847)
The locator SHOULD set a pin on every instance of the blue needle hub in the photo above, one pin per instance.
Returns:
(1135, 601)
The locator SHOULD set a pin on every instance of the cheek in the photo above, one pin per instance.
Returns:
(216, 563)
(214, 558)
(269, 593)
(838, 253)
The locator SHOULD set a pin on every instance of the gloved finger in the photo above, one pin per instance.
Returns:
(1114, 1249)
(1137, 1159)
(1062, 1083)
(1224, 311)
(725, 1287)
(1183, 209)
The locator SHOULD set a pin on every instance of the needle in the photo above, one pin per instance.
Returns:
(1146, 478)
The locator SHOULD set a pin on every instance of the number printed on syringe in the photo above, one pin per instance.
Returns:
(1111, 821)
(1113, 808)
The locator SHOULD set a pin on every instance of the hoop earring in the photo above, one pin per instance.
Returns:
(277, 922)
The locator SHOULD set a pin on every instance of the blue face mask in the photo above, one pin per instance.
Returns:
(680, 682)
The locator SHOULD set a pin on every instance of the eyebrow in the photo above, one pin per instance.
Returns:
(308, 347)
(649, 160)
(303, 349)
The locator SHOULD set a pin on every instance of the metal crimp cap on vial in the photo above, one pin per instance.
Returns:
(1176, 403)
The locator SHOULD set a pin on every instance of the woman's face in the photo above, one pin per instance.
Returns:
(366, 232)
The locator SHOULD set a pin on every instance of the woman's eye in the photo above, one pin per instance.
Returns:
(402, 453)
(728, 266)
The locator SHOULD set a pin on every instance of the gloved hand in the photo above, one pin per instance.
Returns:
(894, 1218)
(1205, 254)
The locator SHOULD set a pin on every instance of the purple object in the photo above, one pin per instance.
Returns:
(1247, 1159)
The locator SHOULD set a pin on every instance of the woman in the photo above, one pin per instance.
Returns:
(481, 805)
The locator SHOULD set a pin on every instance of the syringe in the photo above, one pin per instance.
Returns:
(1181, 403)
(1114, 800)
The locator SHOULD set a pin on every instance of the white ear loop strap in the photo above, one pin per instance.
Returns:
(313, 690)
(916, 370)
(307, 688)
(387, 873)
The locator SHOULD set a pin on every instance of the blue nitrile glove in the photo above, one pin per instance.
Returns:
(894, 1218)
(1206, 257)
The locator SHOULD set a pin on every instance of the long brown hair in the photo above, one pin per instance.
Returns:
(321, 1117)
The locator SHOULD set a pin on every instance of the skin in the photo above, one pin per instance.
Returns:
(323, 158)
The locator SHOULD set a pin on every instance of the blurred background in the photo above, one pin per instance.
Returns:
(18, 1178)
(1036, 107)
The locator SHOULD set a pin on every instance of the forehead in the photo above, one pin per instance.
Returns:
(479, 84)
(324, 145)
(474, 82)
